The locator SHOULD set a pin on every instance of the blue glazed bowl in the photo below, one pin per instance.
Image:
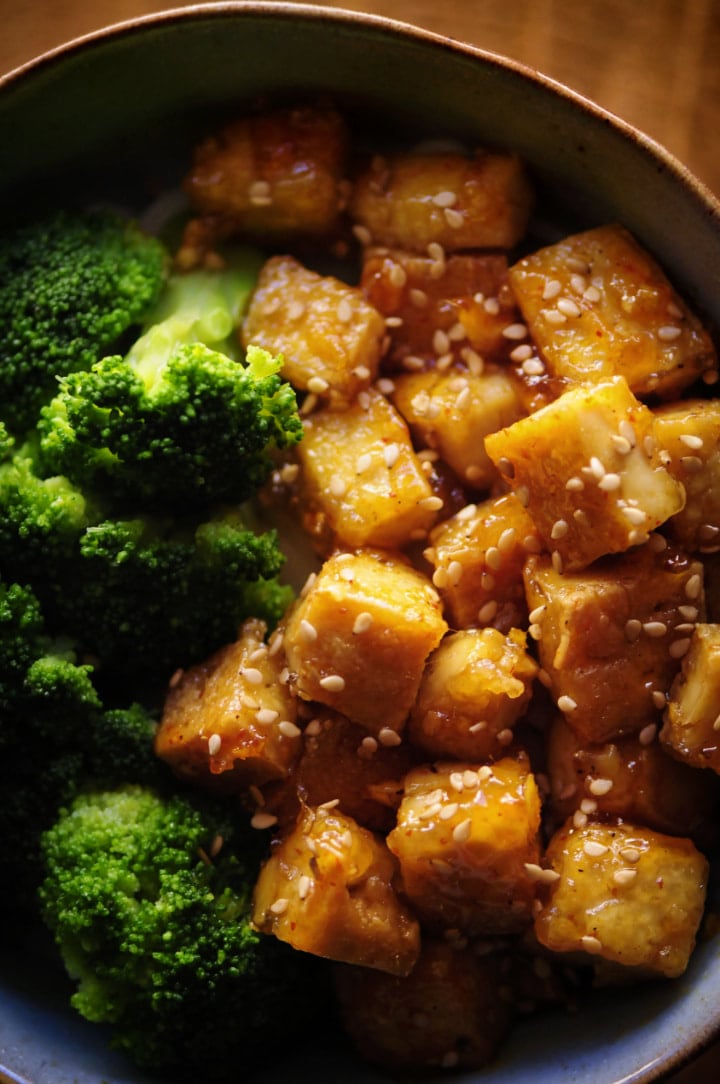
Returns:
(115, 113)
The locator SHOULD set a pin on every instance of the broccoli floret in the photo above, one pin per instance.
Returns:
(148, 897)
(70, 286)
(178, 422)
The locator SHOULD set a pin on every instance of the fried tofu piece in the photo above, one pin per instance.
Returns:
(360, 475)
(617, 881)
(273, 174)
(691, 729)
(330, 337)
(464, 838)
(230, 721)
(358, 639)
(689, 431)
(610, 639)
(598, 305)
(458, 306)
(475, 687)
(454, 410)
(478, 556)
(456, 201)
(328, 889)
(631, 777)
(449, 1012)
(589, 471)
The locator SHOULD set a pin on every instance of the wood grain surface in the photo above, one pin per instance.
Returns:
(655, 64)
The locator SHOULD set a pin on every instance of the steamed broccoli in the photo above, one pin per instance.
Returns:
(70, 286)
(178, 422)
(148, 898)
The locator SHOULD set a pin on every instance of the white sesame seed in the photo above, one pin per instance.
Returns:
(304, 886)
(440, 342)
(448, 811)
(600, 787)
(362, 234)
(461, 831)
(252, 675)
(557, 562)
(337, 486)
(363, 463)
(307, 630)
(514, 331)
(491, 306)
(592, 294)
(624, 876)
(579, 818)
(488, 612)
(389, 737)
(295, 310)
(654, 629)
(568, 307)
(591, 944)
(397, 275)
(363, 622)
(597, 468)
(630, 854)
(588, 806)
(551, 289)
(648, 733)
(610, 482)
(668, 333)
(504, 737)
(533, 367)
(445, 199)
(214, 743)
(266, 716)
(627, 431)
(679, 648)
(454, 573)
(368, 746)
(418, 298)
(636, 516)
(574, 484)
(521, 353)
(559, 529)
(540, 875)
(566, 703)
(280, 906)
(693, 587)
(288, 729)
(263, 820)
(594, 849)
(431, 504)
(455, 219)
(333, 683)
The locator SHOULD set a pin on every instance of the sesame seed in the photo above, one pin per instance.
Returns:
(504, 737)
(591, 944)
(397, 274)
(449, 811)
(418, 298)
(668, 333)
(363, 622)
(431, 504)
(521, 353)
(554, 317)
(214, 743)
(462, 398)
(533, 367)
(308, 632)
(391, 454)
(624, 876)
(363, 463)
(263, 820)
(578, 283)
(266, 716)
(280, 906)
(679, 648)
(304, 886)
(473, 360)
(470, 778)
(456, 781)
(540, 875)
(488, 612)
(574, 484)
(600, 787)
(368, 747)
(654, 628)
(690, 440)
(589, 806)
(621, 444)
(636, 516)
(454, 219)
(436, 252)
(333, 683)
(389, 737)
(461, 831)
(514, 331)
(362, 234)
(491, 306)
(454, 573)
(295, 310)
(551, 289)
(579, 818)
(362, 373)
(559, 529)
(597, 468)
(568, 307)
(716, 724)
(445, 199)
(535, 631)
(288, 729)
(648, 733)
(332, 803)
(593, 849)
(610, 482)
(537, 613)
(557, 562)
(251, 674)
(337, 486)
(440, 341)
(566, 703)
(630, 854)
(693, 587)
(592, 294)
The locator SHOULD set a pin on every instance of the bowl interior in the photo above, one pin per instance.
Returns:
(115, 115)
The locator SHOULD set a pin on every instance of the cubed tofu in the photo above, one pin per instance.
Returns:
(459, 306)
(230, 721)
(329, 336)
(691, 729)
(478, 556)
(448, 1013)
(598, 305)
(689, 432)
(465, 835)
(625, 894)
(452, 200)
(454, 410)
(273, 174)
(358, 639)
(475, 687)
(589, 471)
(610, 639)
(632, 777)
(328, 889)
(361, 480)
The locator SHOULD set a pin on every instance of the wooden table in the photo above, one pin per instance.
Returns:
(653, 64)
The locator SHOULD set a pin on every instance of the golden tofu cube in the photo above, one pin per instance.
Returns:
(452, 200)
(454, 410)
(449, 1012)
(632, 777)
(230, 721)
(459, 306)
(465, 834)
(358, 639)
(328, 889)
(689, 432)
(476, 686)
(478, 556)
(329, 336)
(610, 639)
(624, 894)
(588, 469)
(361, 476)
(598, 305)
(691, 729)
(275, 173)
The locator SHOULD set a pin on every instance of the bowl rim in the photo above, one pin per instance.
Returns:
(393, 27)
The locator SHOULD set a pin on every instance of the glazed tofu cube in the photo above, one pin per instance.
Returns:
(632, 777)
(453, 411)
(465, 835)
(449, 1012)
(588, 469)
(328, 889)
(230, 721)
(360, 473)
(276, 173)
(358, 639)
(476, 686)
(329, 336)
(617, 881)
(598, 305)
(689, 432)
(691, 729)
(478, 556)
(452, 200)
(610, 639)
(457, 306)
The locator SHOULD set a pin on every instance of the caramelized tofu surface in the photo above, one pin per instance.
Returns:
(625, 894)
(230, 721)
(328, 888)
(691, 729)
(455, 201)
(689, 431)
(598, 305)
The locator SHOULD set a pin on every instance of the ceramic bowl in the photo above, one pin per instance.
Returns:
(115, 114)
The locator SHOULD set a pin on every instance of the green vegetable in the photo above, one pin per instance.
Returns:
(70, 286)
(148, 898)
